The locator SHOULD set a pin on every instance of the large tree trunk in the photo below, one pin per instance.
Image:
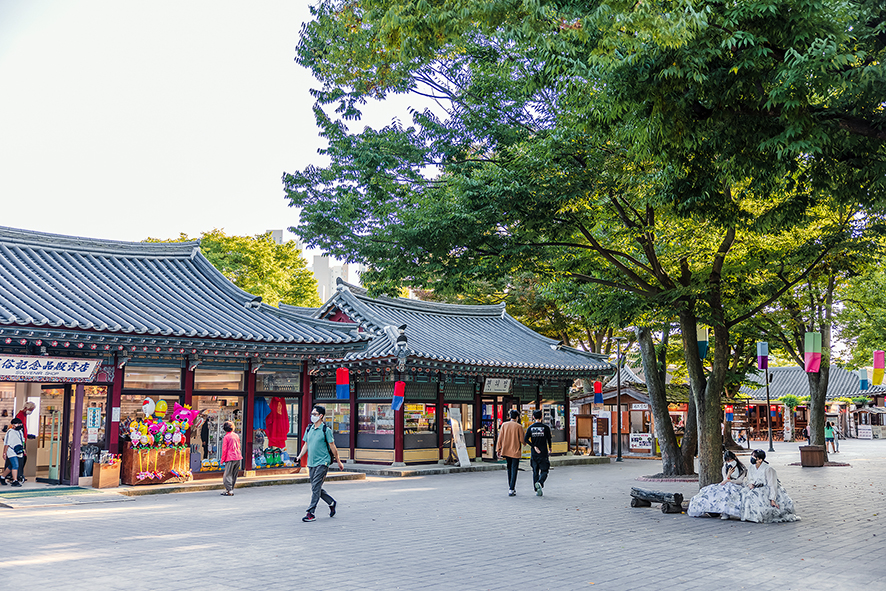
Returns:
(818, 389)
(728, 442)
(706, 390)
(671, 458)
(689, 446)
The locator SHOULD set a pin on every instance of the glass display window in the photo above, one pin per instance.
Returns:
(465, 417)
(419, 418)
(553, 414)
(7, 403)
(338, 417)
(95, 401)
(206, 436)
(132, 405)
(152, 378)
(526, 411)
(218, 380)
(375, 418)
(278, 381)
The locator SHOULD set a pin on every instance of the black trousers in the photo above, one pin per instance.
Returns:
(513, 466)
(540, 467)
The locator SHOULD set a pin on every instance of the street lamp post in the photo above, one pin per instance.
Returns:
(769, 410)
(618, 341)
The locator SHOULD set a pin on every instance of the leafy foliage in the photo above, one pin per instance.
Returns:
(260, 266)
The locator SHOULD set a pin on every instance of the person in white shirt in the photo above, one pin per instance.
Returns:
(765, 500)
(13, 450)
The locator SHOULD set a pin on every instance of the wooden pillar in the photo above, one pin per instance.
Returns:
(306, 403)
(189, 384)
(566, 420)
(440, 417)
(116, 399)
(399, 425)
(76, 434)
(354, 423)
(248, 411)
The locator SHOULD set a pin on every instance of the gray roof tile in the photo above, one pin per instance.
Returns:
(451, 333)
(168, 289)
(793, 380)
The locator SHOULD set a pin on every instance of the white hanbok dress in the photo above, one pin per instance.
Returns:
(755, 502)
(722, 498)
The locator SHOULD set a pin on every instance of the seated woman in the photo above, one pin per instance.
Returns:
(723, 498)
(765, 500)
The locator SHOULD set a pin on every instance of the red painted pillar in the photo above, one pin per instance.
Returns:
(566, 421)
(189, 385)
(399, 416)
(441, 417)
(76, 434)
(307, 403)
(116, 398)
(247, 418)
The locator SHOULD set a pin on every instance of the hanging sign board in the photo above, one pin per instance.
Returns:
(639, 407)
(39, 368)
(497, 386)
(865, 432)
(458, 435)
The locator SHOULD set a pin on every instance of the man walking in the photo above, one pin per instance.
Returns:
(538, 435)
(510, 447)
(23, 416)
(13, 448)
(320, 447)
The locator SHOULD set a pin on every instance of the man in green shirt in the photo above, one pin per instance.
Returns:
(319, 444)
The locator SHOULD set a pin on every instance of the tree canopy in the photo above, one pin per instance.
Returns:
(257, 264)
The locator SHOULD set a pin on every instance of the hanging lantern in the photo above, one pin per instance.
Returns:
(598, 392)
(729, 413)
(762, 355)
(863, 383)
(342, 384)
(399, 394)
(702, 338)
(813, 352)
(879, 365)
(772, 411)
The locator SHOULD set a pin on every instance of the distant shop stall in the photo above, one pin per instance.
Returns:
(473, 364)
(91, 329)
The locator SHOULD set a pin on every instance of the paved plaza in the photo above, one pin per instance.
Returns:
(462, 531)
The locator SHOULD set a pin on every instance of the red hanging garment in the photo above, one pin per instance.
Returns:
(277, 424)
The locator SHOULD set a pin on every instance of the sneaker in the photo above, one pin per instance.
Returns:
(512, 493)
(332, 508)
(309, 517)
(538, 491)
(3, 481)
(724, 517)
(16, 483)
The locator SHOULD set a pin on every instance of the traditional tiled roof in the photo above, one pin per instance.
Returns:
(627, 377)
(793, 380)
(58, 283)
(476, 336)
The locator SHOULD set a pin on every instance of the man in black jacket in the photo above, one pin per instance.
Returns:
(538, 435)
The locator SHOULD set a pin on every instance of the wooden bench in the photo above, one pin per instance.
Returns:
(670, 502)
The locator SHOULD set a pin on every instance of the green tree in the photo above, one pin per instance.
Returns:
(257, 264)
(558, 156)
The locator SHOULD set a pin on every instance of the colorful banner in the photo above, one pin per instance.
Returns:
(702, 338)
(342, 383)
(39, 368)
(762, 355)
(813, 352)
(729, 413)
(399, 393)
(598, 392)
(879, 365)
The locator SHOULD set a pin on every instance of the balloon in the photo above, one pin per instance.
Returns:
(160, 410)
(148, 407)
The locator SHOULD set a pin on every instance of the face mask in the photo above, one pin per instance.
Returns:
(20, 427)
(315, 418)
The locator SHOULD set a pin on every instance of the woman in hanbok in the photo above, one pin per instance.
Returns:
(723, 498)
(765, 500)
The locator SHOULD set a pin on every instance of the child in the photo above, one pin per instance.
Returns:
(13, 450)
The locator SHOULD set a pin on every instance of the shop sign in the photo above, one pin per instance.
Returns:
(865, 432)
(641, 441)
(639, 407)
(93, 417)
(497, 386)
(39, 368)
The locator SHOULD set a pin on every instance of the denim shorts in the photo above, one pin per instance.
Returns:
(828, 438)
(13, 462)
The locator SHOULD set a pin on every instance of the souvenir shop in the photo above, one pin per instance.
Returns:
(436, 375)
(144, 350)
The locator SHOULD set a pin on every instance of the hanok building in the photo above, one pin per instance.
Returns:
(90, 328)
(476, 361)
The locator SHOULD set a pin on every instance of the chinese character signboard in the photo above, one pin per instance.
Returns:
(497, 386)
(31, 368)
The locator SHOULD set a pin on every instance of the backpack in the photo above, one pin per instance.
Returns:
(326, 441)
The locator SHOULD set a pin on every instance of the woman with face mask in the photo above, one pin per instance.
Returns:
(765, 500)
(723, 498)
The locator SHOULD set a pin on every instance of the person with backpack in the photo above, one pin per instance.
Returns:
(319, 445)
(538, 437)
(13, 450)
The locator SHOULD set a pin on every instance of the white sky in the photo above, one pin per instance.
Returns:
(124, 120)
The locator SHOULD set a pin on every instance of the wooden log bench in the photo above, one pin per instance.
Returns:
(670, 502)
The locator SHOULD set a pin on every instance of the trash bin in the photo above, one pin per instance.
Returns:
(812, 456)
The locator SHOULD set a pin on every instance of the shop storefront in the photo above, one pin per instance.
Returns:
(462, 366)
(141, 335)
